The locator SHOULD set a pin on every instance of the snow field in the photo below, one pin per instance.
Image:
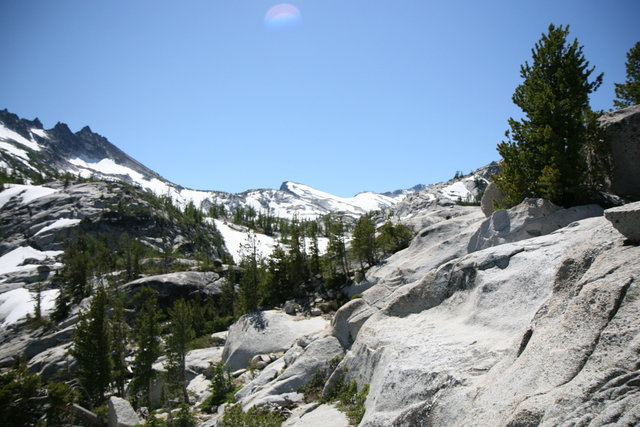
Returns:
(61, 223)
(14, 261)
(16, 304)
(27, 193)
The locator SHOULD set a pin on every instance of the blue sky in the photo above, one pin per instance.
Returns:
(354, 95)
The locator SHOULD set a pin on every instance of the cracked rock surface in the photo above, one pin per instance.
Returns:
(543, 331)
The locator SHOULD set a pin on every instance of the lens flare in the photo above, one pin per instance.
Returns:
(282, 15)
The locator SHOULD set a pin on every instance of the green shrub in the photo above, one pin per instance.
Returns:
(222, 388)
(254, 417)
(182, 418)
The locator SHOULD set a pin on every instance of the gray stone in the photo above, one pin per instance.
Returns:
(531, 218)
(299, 373)
(182, 284)
(315, 415)
(265, 332)
(266, 376)
(543, 330)
(626, 219)
(197, 361)
(199, 389)
(121, 413)
(622, 128)
(492, 196)
(291, 307)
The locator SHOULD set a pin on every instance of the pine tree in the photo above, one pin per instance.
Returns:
(277, 286)
(181, 317)
(146, 335)
(119, 345)
(628, 93)
(252, 271)
(393, 238)
(363, 245)
(77, 267)
(543, 155)
(92, 348)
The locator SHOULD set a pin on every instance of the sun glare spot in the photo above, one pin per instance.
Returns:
(282, 15)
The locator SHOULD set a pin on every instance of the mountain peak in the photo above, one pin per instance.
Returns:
(84, 130)
(289, 186)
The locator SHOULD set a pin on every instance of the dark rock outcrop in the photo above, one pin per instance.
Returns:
(622, 128)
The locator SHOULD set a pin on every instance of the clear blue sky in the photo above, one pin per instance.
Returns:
(354, 95)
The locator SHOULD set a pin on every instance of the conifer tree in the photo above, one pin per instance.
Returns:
(363, 245)
(277, 285)
(119, 345)
(92, 348)
(181, 317)
(628, 93)
(543, 155)
(251, 266)
(146, 335)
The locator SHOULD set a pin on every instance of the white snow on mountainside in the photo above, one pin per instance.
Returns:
(291, 200)
(90, 155)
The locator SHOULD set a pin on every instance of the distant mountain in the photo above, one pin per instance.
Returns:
(31, 151)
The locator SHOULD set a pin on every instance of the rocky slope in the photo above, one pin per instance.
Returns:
(526, 331)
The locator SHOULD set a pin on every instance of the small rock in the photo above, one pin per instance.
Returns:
(316, 311)
(236, 374)
(290, 307)
(492, 195)
(121, 413)
(626, 219)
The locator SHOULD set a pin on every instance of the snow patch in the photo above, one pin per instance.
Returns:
(14, 261)
(16, 304)
(455, 191)
(234, 239)
(13, 150)
(40, 132)
(9, 135)
(27, 193)
(61, 223)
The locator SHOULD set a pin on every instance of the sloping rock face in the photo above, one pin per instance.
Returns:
(531, 218)
(172, 286)
(540, 331)
(298, 372)
(265, 332)
(626, 219)
(622, 128)
(315, 415)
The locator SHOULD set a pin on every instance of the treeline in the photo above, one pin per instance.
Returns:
(296, 264)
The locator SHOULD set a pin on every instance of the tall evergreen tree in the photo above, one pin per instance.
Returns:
(628, 93)
(92, 348)
(543, 155)
(146, 335)
(337, 249)
(251, 266)
(363, 245)
(77, 267)
(119, 345)
(181, 317)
